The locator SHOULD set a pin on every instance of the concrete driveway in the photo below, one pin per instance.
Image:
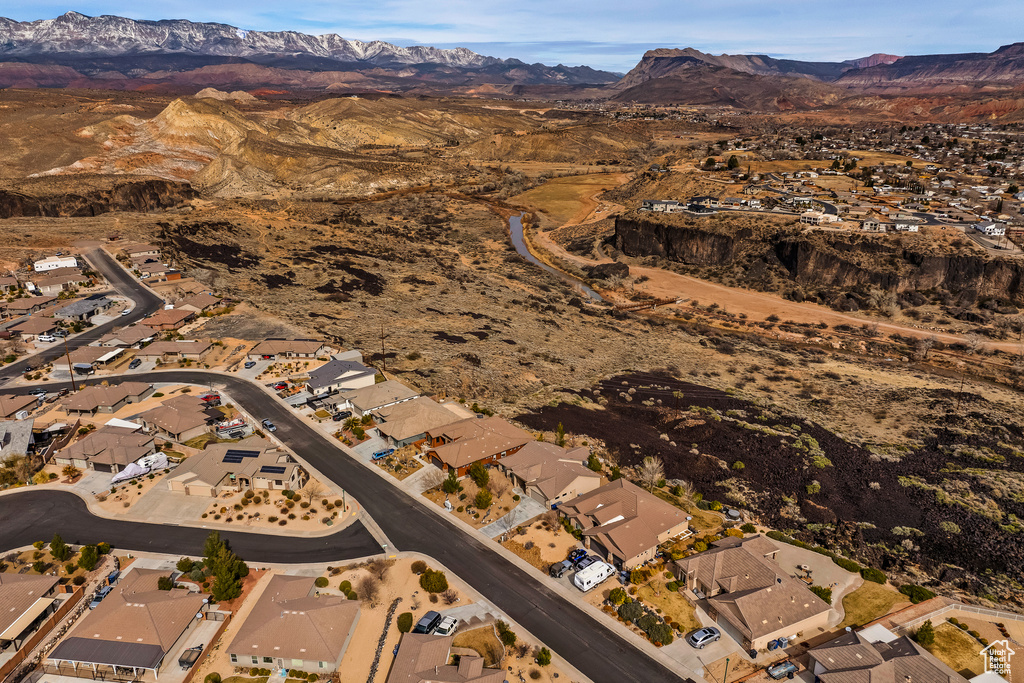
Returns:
(527, 509)
(170, 507)
(695, 659)
(251, 373)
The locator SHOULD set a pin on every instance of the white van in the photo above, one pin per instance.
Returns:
(46, 338)
(593, 575)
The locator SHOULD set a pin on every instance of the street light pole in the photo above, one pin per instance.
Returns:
(71, 370)
(725, 677)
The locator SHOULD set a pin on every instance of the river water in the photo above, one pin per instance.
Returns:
(515, 228)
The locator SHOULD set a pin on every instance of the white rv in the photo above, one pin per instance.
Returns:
(593, 575)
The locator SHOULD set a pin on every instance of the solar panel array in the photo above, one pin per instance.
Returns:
(235, 457)
(272, 469)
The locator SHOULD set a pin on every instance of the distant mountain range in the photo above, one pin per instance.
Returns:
(110, 49)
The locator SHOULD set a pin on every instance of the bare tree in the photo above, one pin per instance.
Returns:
(925, 345)
(508, 522)
(314, 490)
(433, 478)
(973, 343)
(369, 589)
(499, 484)
(685, 491)
(450, 596)
(378, 566)
(651, 472)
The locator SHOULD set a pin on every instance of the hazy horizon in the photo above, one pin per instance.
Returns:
(605, 34)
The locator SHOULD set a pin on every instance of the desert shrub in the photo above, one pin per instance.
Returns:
(78, 580)
(847, 564)
(404, 622)
(734, 532)
(433, 581)
(507, 635)
(212, 678)
(321, 582)
(748, 528)
(823, 593)
(352, 595)
(345, 586)
(661, 633)
(700, 546)
(617, 596)
(672, 586)
(483, 499)
(544, 656)
(631, 611)
(916, 593)
(872, 574)
(738, 465)
(185, 565)
(925, 635)
(638, 576)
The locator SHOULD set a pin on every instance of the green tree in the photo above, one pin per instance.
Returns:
(164, 583)
(823, 593)
(185, 565)
(212, 546)
(59, 549)
(227, 568)
(617, 596)
(560, 435)
(478, 473)
(483, 499)
(433, 581)
(594, 463)
(39, 566)
(709, 162)
(507, 635)
(88, 558)
(925, 635)
(615, 474)
(544, 656)
(733, 162)
(451, 484)
(404, 622)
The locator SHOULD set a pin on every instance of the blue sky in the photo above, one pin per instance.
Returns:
(607, 34)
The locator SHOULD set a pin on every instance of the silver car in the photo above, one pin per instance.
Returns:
(703, 636)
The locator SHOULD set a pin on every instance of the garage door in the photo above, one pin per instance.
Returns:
(731, 632)
(102, 467)
(538, 496)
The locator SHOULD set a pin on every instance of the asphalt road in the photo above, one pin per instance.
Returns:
(146, 302)
(30, 516)
(587, 643)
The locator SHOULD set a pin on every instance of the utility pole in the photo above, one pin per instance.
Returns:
(383, 357)
(71, 370)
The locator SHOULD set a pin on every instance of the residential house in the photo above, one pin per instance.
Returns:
(710, 202)
(170, 319)
(458, 445)
(12, 404)
(181, 418)
(661, 205)
(877, 654)
(155, 270)
(549, 473)
(138, 250)
(55, 284)
(903, 226)
(15, 439)
(108, 449)
(133, 628)
(85, 309)
(34, 327)
(408, 422)
(28, 305)
(289, 348)
(423, 658)
(731, 202)
(624, 523)
(54, 262)
(817, 218)
(27, 601)
(199, 303)
(292, 626)
(252, 464)
(127, 337)
(991, 229)
(164, 351)
(93, 355)
(873, 225)
(340, 375)
(100, 399)
(9, 285)
(376, 397)
(749, 595)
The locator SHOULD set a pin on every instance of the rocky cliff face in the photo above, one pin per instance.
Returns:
(841, 262)
(1004, 67)
(133, 195)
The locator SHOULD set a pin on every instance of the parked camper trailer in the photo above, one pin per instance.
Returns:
(593, 575)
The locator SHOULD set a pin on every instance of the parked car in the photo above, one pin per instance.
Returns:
(60, 333)
(343, 415)
(126, 311)
(786, 669)
(270, 426)
(249, 364)
(268, 356)
(703, 636)
(585, 562)
(46, 338)
(98, 598)
(383, 453)
(577, 554)
(427, 623)
(211, 398)
(446, 627)
(278, 386)
(38, 391)
(136, 362)
(558, 569)
(236, 434)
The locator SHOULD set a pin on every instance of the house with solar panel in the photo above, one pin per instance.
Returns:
(252, 464)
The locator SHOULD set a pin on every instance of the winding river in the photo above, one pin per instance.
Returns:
(515, 228)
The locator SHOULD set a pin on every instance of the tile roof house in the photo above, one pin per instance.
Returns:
(170, 319)
(127, 337)
(9, 284)
(25, 600)
(29, 304)
(55, 284)
(180, 418)
(11, 405)
(15, 438)
(250, 464)
(749, 595)
(423, 658)
(376, 396)
(200, 303)
(34, 326)
(289, 348)
(854, 658)
(339, 375)
(108, 449)
(175, 350)
(408, 422)
(460, 444)
(292, 628)
(135, 627)
(100, 399)
(549, 473)
(623, 522)
(133, 250)
(84, 309)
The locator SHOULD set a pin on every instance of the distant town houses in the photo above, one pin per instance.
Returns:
(85, 309)
(16, 439)
(375, 397)
(991, 229)
(128, 337)
(171, 351)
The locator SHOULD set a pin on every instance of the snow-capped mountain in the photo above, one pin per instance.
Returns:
(78, 34)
